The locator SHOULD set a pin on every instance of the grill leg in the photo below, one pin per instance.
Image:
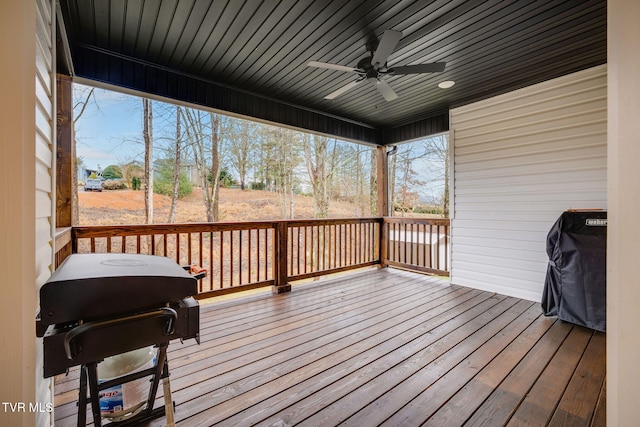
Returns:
(161, 364)
(82, 398)
(92, 372)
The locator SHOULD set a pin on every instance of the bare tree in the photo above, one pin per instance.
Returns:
(79, 108)
(214, 195)
(320, 161)
(417, 169)
(205, 147)
(281, 158)
(176, 167)
(438, 148)
(373, 184)
(147, 134)
(241, 144)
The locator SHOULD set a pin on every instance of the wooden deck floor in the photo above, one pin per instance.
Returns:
(382, 347)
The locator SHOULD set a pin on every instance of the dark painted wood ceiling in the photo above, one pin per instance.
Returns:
(254, 53)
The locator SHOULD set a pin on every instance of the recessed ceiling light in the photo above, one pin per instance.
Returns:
(446, 84)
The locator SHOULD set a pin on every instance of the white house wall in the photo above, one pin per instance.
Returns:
(44, 167)
(520, 160)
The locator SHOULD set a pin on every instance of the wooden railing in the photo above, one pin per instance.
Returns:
(417, 244)
(318, 247)
(63, 245)
(246, 255)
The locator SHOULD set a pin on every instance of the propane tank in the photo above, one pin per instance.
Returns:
(123, 401)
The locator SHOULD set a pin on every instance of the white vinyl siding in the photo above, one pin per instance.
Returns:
(44, 170)
(520, 160)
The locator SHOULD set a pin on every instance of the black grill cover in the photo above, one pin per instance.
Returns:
(575, 286)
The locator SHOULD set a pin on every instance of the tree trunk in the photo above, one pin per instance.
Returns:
(316, 158)
(176, 169)
(75, 207)
(373, 185)
(215, 168)
(147, 133)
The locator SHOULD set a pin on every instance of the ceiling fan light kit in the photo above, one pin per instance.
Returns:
(374, 66)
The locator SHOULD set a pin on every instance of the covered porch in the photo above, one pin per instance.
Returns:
(380, 347)
(487, 357)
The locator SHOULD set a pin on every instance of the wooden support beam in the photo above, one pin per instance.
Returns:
(280, 258)
(65, 152)
(382, 181)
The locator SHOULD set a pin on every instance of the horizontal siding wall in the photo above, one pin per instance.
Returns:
(44, 166)
(520, 160)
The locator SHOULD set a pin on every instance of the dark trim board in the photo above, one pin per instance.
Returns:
(105, 67)
(147, 78)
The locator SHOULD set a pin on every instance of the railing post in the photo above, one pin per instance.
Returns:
(382, 243)
(280, 253)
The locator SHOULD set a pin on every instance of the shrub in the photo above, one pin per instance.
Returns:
(114, 184)
(135, 183)
(112, 172)
(226, 179)
(163, 181)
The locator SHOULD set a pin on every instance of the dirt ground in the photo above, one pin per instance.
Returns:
(120, 207)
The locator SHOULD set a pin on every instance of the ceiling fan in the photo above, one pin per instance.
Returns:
(373, 67)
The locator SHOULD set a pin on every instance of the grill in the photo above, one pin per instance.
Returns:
(100, 305)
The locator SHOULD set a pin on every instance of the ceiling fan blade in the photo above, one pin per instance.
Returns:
(330, 66)
(384, 89)
(388, 43)
(343, 89)
(435, 67)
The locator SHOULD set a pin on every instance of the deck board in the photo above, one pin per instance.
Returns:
(380, 347)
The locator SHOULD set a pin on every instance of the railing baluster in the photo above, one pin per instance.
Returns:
(249, 257)
(413, 246)
(189, 249)
(324, 247)
(231, 269)
(240, 257)
(333, 255)
(221, 259)
(311, 251)
(438, 247)
(446, 247)
(317, 251)
(296, 254)
(258, 250)
(267, 258)
(200, 259)
(178, 248)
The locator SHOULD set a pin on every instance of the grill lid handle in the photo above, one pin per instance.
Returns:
(164, 312)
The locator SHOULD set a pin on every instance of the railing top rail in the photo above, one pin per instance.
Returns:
(150, 229)
(427, 221)
(330, 221)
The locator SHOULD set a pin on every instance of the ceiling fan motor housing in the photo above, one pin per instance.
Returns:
(367, 69)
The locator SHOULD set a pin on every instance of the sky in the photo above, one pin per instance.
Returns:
(110, 129)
